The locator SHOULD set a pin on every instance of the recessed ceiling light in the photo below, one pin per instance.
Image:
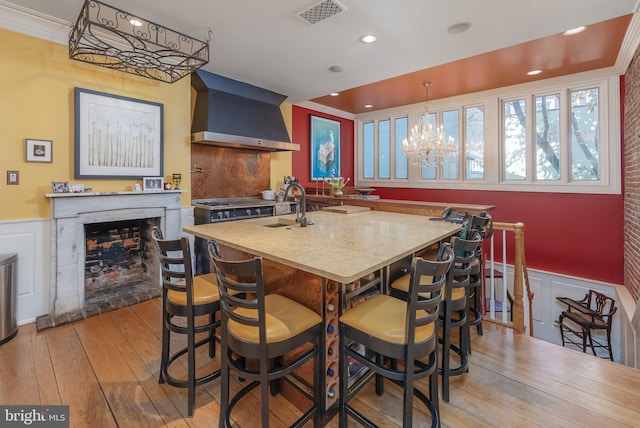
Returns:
(575, 31)
(336, 68)
(458, 28)
(368, 105)
(135, 22)
(334, 94)
(534, 72)
(368, 38)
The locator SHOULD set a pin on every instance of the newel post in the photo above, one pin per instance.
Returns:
(518, 305)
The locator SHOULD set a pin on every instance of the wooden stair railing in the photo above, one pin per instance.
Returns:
(520, 277)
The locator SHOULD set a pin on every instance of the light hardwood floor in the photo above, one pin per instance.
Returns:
(106, 369)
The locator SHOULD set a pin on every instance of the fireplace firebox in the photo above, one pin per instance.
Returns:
(118, 257)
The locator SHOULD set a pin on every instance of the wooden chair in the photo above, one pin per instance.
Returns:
(391, 329)
(185, 298)
(263, 327)
(483, 224)
(454, 311)
(594, 312)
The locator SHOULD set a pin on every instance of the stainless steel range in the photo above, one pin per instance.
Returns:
(207, 211)
(227, 209)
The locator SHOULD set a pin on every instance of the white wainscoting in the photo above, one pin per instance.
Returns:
(31, 240)
(546, 286)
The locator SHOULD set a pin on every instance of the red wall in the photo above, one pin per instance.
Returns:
(573, 234)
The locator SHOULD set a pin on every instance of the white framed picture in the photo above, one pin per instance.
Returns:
(39, 150)
(116, 136)
(152, 183)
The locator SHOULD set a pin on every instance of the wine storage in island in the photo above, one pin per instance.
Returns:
(332, 355)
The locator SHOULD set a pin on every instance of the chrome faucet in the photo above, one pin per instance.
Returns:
(302, 216)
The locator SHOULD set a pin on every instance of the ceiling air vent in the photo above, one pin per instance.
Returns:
(321, 11)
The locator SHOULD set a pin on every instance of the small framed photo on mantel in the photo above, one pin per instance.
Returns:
(39, 150)
(152, 183)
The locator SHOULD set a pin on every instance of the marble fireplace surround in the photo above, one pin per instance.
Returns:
(70, 212)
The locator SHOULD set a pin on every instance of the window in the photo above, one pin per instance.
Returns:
(515, 140)
(546, 136)
(474, 143)
(451, 131)
(368, 152)
(384, 149)
(585, 152)
(402, 163)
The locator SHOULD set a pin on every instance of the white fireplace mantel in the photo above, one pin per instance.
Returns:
(70, 212)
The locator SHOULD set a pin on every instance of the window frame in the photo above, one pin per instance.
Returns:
(610, 136)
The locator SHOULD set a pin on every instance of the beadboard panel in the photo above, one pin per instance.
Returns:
(30, 240)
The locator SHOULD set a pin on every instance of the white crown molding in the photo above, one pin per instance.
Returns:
(26, 21)
(629, 45)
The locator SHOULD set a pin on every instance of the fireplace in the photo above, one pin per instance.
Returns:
(119, 260)
(74, 217)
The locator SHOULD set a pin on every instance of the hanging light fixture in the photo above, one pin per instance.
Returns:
(112, 38)
(427, 146)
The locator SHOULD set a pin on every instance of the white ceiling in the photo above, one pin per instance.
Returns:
(265, 44)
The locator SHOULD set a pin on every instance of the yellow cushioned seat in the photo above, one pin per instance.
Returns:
(383, 317)
(284, 319)
(205, 290)
(402, 284)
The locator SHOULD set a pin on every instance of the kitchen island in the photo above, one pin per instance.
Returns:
(317, 265)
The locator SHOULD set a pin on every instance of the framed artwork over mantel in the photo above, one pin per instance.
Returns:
(117, 137)
(325, 147)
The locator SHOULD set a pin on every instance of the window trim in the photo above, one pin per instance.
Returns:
(610, 137)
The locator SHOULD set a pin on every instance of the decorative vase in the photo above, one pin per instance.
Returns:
(336, 192)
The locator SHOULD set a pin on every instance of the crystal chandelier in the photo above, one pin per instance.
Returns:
(427, 146)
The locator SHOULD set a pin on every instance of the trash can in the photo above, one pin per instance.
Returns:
(8, 297)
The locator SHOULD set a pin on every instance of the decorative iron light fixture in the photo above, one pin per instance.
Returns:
(427, 146)
(115, 39)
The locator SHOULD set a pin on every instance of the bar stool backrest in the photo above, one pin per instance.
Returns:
(175, 263)
(241, 285)
(424, 310)
(483, 224)
(465, 252)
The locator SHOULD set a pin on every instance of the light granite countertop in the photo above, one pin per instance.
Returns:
(337, 246)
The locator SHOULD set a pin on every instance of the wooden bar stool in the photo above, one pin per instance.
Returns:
(483, 224)
(264, 328)
(391, 329)
(185, 298)
(454, 311)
